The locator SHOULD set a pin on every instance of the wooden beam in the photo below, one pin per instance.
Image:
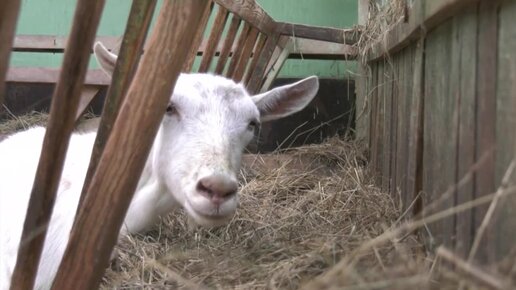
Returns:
(199, 34)
(39, 75)
(118, 171)
(251, 12)
(135, 33)
(87, 95)
(337, 35)
(54, 43)
(60, 126)
(256, 54)
(239, 49)
(318, 49)
(244, 58)
(422, 14)
(213, 40)
(228, 44)
(256, 79)
(9, 11)
(276, 67)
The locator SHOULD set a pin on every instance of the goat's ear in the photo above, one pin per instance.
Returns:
(286, 100)
(106, 59)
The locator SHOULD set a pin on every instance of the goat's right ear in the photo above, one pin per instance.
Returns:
(106, 59)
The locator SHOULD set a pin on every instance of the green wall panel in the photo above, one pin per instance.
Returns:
(53, 17)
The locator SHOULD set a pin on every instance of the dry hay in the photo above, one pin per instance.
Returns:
(382, 17)
(309, 217)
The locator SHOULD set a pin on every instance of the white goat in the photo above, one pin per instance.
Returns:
(193, 163)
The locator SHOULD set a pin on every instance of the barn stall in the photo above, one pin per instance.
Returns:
(386, 209)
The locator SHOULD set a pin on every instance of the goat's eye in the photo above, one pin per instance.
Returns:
(252, 125)
(171, 109)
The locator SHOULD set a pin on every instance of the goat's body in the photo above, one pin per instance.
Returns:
(15, 190)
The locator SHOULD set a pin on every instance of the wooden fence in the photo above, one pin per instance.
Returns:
(437, 108)
(252, 52)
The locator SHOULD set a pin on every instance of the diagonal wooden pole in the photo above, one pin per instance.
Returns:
(60, 125)
(9, 11)
(114, 182)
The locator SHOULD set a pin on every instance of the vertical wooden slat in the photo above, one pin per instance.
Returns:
(380, 121)
(416, 133)
(400, 126)
(374, 114)
(246, 54)
(256, 55)
(276, 67)
(394, 126)
(486, 114)
(9, 11)
(135, 33)
(213, 40)
(440, 140)
(118, 171)
(387, 129)
(199, 34)
(228, 44)
(65, 101)
(238, 50)
(255, 82)
(87, 95)
(466, 37)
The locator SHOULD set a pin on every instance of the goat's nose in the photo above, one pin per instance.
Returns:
(217, 188)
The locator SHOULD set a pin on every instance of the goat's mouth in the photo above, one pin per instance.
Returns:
(207, 214)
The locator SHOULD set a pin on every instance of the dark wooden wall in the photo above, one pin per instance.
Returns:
(439, 110)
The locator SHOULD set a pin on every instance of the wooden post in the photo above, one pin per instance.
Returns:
(9, 11)
(213, 40)
(60, 125)
(112, 187)
(130, 52)
(199, 34)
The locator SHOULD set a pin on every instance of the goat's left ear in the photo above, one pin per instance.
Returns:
(106, 59)
(286, 100)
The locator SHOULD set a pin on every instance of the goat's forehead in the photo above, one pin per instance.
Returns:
(197, 87)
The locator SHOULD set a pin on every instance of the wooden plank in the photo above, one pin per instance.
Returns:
(199, 34)
(337, 35)
(423, 16)
(380, 121)
(373, 92)
(440, 133)
(9, 11)
(415, 133)
(128, 59)
(118, 171)
(228, 44)
(405, 127)
(239, 49)
(400, 126)
(395, 112)
(87, 95)
(244, 58)
(387, 123)
(363, 11)
(39, 75)
(65, 101)
(256, 79)
(213, 40)
(506, 122)
(276, 68)
(256, 55)
(466, 38)
(486, 115)
(251, 12)
(54, 43)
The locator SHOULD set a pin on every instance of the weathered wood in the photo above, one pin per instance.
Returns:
(9, 11)
(54, 43)
(278, 64)
(247, 50)
(239, 49)
(59, 128)
(504, 237)
(423, 17)
(337, 35)
(256, 79)
(380, 121)
(486, 115)
(135, 33)
(385, 166)
(316, 49)
(228, 44)
(256, 55)
(41, 75)
(416, 133)
(118, 171)
(465, 36)
(440, 132)
(363, 11)
(214, 38)
(282, 43)
(395, 112)
(251, 12)
(373, 133)
(199, 34)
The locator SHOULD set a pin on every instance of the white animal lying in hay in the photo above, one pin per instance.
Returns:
(193, 163)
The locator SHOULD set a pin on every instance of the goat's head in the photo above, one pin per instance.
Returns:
(207, 125)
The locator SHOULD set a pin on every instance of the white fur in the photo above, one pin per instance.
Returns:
(204, 135)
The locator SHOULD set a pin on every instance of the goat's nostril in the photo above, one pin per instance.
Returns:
(217, 187)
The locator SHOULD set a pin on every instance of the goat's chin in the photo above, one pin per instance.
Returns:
(200, 217)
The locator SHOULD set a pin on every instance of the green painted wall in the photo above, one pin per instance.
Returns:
(53, 17)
